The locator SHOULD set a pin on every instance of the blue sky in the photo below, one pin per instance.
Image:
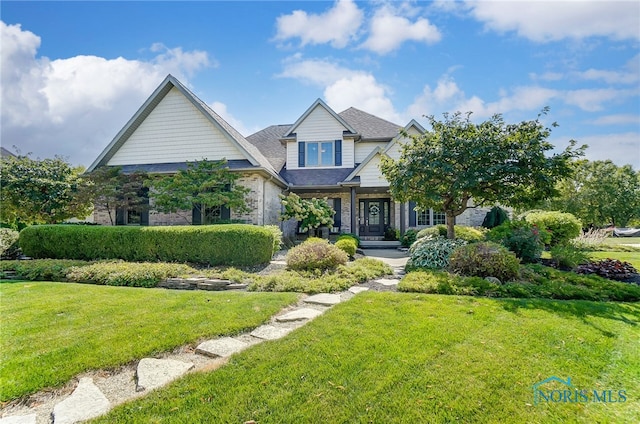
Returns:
(73, 73)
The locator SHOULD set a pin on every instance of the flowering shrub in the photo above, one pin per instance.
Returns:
(311, 213)
(315, 253)
(432, 252)
(562, 226)
(522, 238)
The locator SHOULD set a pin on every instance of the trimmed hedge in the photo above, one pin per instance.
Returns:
(228, 244)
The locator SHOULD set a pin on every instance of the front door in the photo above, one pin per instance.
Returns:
(374, 216)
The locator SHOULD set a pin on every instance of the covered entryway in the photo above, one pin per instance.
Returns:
(374, 216)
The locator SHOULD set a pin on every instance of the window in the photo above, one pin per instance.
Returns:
(133, 217)
(439, 218)
(210, 214)
(136, 210)
(320, 153)
(424, 217)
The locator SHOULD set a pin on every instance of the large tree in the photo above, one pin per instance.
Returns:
(40, 191)
(491, 162)
(110, 189)
(600, 193)
(203, 185)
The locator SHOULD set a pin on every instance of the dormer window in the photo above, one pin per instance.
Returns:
(320, 153)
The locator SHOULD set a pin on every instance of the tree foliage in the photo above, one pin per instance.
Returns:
(41, 191)
(600, 193)
(110, 189)
(491, 162)
(204, 184)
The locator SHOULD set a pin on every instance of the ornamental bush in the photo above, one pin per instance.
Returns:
(227, 244)
(568, 256)
(347, 245)
(495, 217)
(315, 254)
(612, 269)
(408, 238)
(9, 248)
(130, 274)
(432, 252)
(521, 238)
(311, 213)
(562, 226)
(485, 259)
(353, 237)
(463, 232)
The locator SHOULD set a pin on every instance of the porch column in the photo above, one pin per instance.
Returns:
(402, 222)
(353, 211)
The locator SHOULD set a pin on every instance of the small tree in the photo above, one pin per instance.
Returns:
(311, 213)
(491, 162)
(109, 189)
(41, 191)
(204, 184)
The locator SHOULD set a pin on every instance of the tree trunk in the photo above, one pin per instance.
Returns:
(451, 219)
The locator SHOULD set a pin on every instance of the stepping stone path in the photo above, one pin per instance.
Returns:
(88, 401)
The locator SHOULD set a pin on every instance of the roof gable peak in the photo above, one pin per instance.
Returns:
(319, 103)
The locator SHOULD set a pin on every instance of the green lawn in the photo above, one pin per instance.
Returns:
(52, 331)
(405, 358)
(632, 257)
(622, 240)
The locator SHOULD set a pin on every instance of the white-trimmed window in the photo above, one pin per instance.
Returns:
(320, 153)
(426, 218)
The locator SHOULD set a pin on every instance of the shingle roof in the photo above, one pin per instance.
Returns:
(5, 153)
(268, 142)
(370, 127)
(315, 177)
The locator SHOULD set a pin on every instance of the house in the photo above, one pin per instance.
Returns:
(322, 154)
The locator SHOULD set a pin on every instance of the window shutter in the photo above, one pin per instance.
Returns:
(196, 215)
(144, 215)
(225, 213)
(337, 206)
(412, 214)
(338, 153)
(120, 214)
(301, 154)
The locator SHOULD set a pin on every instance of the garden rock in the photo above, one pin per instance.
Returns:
(270, 332)
(358, 289)
(324, 299)
(86, 402)
(222, 347)
(152, 373)
(299, 315)
(493, 280)
(19, 419)
(387, 281)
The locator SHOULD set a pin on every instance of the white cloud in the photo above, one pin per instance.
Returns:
(72, 107)
(629, 74)
(336, 26)
(389, 29)
(621, 119)
(545, 21)
(343, 87)
(221, 109)
(593, 100)
(621, 148)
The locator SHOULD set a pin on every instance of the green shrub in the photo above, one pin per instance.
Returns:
(349, 236)
(228, 244)
(495, 217)
(127, 273)
(390, 234)
(314, 254)
(613, 269)
(348, 246)
(345, 276)
(42, 269)
(520, 237)
(431, 252)
(468, 234)
(562, 226)
(9, 248)
(537, 282)
(568, 256)
(485, 259)
(408, 238)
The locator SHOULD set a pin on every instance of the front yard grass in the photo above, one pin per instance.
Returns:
(53, 331)
(398, 357)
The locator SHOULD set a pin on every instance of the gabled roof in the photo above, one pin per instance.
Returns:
(414, 123)
(370, 127)
(356, 171)
(319, 103)
(315, 178)
(6, 153)
(268, 142)
(251, 153)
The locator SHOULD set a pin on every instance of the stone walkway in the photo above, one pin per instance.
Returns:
(94, 393)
